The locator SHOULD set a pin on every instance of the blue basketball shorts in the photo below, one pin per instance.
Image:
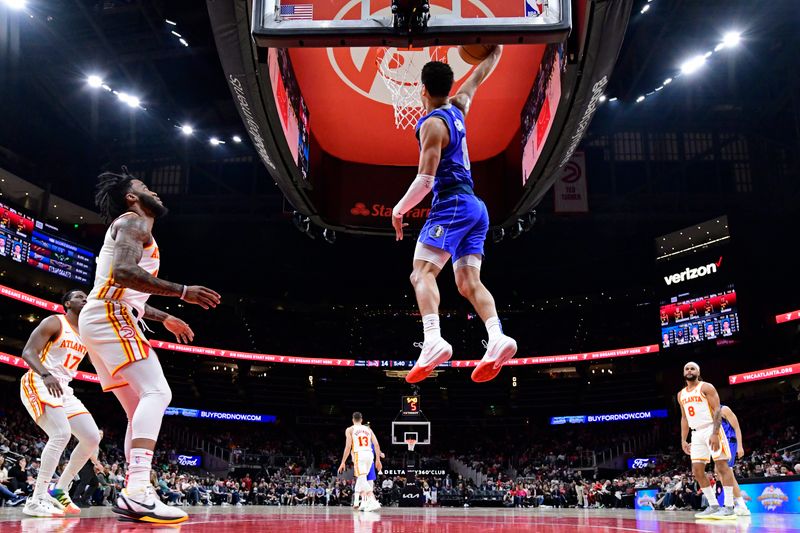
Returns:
(734, 449)
(458, 225)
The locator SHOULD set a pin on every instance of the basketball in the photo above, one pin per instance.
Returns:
(475, 53)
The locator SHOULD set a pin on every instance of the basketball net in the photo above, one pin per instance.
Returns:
(411, 443)
(400, 70)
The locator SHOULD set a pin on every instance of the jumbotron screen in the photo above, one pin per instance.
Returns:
(26, 240)
(705, 318)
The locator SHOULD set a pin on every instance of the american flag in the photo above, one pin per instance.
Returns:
(297, 12)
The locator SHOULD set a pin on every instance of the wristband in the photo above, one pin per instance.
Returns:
(45, 375)
(183, 292)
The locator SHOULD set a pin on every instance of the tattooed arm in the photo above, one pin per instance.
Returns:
(132, 234)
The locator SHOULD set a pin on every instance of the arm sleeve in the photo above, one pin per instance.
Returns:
(418, 190)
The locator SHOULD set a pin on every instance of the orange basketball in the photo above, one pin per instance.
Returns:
(475, 53)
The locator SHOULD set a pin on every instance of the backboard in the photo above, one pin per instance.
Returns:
(315, 23)
(402, 430)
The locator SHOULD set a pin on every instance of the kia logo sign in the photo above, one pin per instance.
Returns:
(572, 172)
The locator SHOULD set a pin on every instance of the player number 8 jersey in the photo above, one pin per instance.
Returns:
(695, 405)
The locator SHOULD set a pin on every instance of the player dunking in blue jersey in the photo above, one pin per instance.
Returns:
(458, 222)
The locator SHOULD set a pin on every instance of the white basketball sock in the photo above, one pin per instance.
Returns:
(728, 492)
(430, 326)
(493, 328)
(139, 469)
(711, 496)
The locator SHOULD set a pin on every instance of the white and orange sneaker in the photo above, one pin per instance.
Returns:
(498, 351)
(433, 354)
(146, 506)
(64, 502)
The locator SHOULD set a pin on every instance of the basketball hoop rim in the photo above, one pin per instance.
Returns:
(411, 443)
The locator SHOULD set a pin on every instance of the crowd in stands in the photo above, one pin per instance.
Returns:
(545, 473)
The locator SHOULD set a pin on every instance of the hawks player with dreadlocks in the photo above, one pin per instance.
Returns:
(127, 274)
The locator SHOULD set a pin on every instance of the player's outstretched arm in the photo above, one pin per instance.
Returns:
(183, 333)
(465, 94)
(47, 330)
(132, 234)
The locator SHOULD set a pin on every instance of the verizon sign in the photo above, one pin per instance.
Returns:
(693, 273)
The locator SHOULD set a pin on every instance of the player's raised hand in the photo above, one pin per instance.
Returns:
(202, 296)
(341, 468)
(183, 333)
(398, 224)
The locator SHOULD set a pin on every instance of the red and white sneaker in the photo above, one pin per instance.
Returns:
(498, 352)
(146, 506)
(433, 354)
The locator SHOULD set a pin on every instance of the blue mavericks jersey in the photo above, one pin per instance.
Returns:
(454, 166)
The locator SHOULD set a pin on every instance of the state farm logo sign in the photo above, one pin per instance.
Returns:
(693, 273)
(360, 209)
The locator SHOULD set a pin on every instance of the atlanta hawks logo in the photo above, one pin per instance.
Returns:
(359, 68)
(127, 332)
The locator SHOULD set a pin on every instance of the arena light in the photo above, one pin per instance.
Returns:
(694, 64)
(170, 22)
(603, 98)
(129, 99)
(237, 139)
(667, 81)
(183, 42)
(731, 39)
(187, 129)
(640, 99)
(16, 4)
(94, 81)
(614, 99)
(646, 8)
(215, 142)
(176, 34)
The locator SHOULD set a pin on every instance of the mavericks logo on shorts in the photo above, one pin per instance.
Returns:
(436, 231)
